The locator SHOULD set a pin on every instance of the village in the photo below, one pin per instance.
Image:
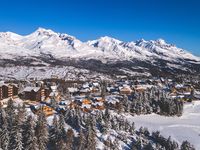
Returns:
(55, 95)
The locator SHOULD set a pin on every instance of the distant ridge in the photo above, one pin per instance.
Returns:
(46, 47)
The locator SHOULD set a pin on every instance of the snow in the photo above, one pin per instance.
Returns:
(67, 73)
(161, 42)
(62, 46)
(72, 90)
(29, 89)
(186, 127)
(112, 99)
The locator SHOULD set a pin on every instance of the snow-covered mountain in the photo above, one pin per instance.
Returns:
(44, 47)
(142, 49)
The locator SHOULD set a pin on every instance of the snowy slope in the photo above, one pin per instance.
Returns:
(181, 128)
(142, 49)
(41, 42)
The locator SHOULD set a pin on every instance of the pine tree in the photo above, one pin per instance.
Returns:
(1, 116)
(62, 145)
(53, 134)
(103, 89)
(70, 139)
(58, 138)
(148, 147)
(81, 140)
(132, 128)
(10, 110)
(187, 146)
(91, 139)
(61, 128)
(138, 144)
(115, 145)
(22, 118)
(16, 135)
(42, 131)
(31, 141)
(4, 133)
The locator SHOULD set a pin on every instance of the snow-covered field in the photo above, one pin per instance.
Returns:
(186, 127)
(65, 72)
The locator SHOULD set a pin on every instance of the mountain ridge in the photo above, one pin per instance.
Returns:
(46, 47)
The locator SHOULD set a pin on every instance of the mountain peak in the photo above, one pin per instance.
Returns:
(161, 41)
(10, 35)
(138, 42)
(40, 29)
(46, 41)
(109, 39)
(43, 31)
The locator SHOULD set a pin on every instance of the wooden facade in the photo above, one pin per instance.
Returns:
(33, 95)
(125, 91)
(8, 90)
(1, 93)
(4, 91)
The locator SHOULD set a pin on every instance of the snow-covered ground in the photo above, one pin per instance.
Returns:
(186, 127)
(66, 72)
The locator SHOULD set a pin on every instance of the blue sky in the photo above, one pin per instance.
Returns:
(176, 21)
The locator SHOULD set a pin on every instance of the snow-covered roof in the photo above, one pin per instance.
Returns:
(29, 89)
(7, 84)
(88, 106)
(179, 85)
(72, 90)
(2, 83)
(86, 85)
(96, 84)
(112, 99)
(84, 90)
(98, 103)
(53, 88)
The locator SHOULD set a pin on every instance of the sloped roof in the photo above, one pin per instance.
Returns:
(29, 89)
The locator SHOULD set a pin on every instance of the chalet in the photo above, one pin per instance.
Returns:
(94, 89)
(95, 84)
(98, 105)
(112, 89)
(8, 90)
(125, 91)
(55, 94)
(86, 101)
(112, 100)
(84, 91)
(33, 93)
(36, 108)
(72, 90)
(99, 99)
(48, 111)
(47, 92)
(73, 105)
(140, 88)
(86, 108)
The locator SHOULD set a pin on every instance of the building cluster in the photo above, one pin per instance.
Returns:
(56, 95)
